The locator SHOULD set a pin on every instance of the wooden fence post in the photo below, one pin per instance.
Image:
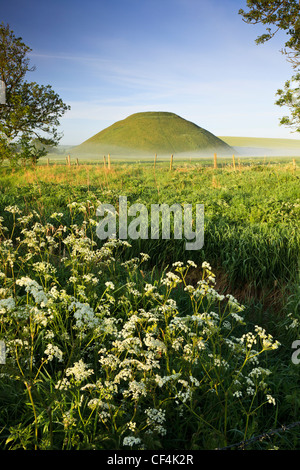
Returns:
(104, 161)
(171, 162)
(233, 161)
(77, 161)
(88, 179)
(215, 161)
(108, 157)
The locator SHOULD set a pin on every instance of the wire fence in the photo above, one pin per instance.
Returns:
(266, 435)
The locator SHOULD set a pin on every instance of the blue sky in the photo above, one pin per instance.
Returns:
(108, 59)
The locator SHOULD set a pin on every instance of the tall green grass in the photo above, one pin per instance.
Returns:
(103, 356)
(191, 375)
(251, 217)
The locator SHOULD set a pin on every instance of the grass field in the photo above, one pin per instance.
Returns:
(250, 149)
(262, 142)
(260, 146)
(140, 344)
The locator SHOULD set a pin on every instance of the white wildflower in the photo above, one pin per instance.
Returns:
(85, 315)
(271, 400)
(155, 420)
(68, 420)
(34, 289)
(131, 441)
(161, 381)
(63, 384)
(79, 371)
(13, 209)
(7, 305)
(191, 263)
(136, 389)
(94, 402)
(194, 381)
(177, 264)
(190, 289)
(53, 351)
(132, 426)
(144, 257)
(206, 265)
(227, 325)
(153, 343)
(171, 280)
(249, 339)
(110, 285)
(149, 288)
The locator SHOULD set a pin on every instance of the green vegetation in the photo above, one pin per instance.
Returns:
(30, 116)
(283, 17)
(285, 146)
(152, 132)
(141, 344)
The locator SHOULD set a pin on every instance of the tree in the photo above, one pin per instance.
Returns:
(31, 113)
(282, 15)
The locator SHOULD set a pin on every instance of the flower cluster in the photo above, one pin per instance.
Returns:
(115, 351)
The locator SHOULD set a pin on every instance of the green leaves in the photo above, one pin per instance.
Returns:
(290, 97)
(32, 111)
(281, 14)
(285, 16)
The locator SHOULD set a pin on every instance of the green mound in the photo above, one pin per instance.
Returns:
(152, 132)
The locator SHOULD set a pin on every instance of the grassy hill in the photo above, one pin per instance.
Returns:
(152, 132)
(263, 146)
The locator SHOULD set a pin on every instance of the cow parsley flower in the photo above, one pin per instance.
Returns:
(131, 441)
(171, 280)
(13, 209)
(33, 288)
(136, 389)
(206, 265)
(155, 420)
(110, 285)
(79, 371)
(63, 384)
(271, 400)
(7, 305)
(191, 263)
(53, 351)
(84, 315)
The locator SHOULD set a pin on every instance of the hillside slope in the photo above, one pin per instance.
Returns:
(259, 146)
(153, 132)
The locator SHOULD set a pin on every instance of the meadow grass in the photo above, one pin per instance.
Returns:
(262, 142)
(141, 344)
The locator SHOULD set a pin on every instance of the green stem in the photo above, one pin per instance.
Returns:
(28, 387)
